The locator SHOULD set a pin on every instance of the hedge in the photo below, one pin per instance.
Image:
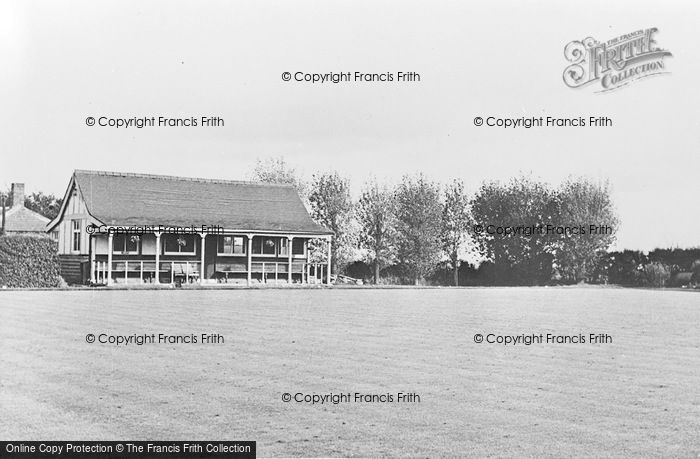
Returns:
(29, 261)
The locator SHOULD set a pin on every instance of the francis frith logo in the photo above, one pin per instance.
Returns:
(615, 63)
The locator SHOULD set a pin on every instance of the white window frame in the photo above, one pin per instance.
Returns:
(284, 243)
(305, 246)
(76, 231)
(180, 253)
(221, 246)
(262, 247)
(126, 252)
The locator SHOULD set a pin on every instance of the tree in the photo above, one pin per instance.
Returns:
(332, 207)
(695, 269)
(375, 213)
(656, 274)
(419, 216)
(509, 221)
(7, 197)
(276, 170)
(626, 267)
(47, 205)
(455, 224)
(588, 205)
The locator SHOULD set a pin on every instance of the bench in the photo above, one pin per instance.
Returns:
(136, 266)
(278, 268)
(182, 270)
(281, 267)
(121, 266)
(230, 268)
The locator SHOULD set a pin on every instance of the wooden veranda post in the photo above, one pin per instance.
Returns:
(110, 248)
(157, 257)
(289, 259)
(328, 273)
(93, 280)
(201, 270)
(250, 257)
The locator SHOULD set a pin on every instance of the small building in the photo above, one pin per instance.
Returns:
(19, 219)
(137, 228)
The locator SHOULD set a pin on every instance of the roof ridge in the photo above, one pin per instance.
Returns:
(12, 210)
(180, 178)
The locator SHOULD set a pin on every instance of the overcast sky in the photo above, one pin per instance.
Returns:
(65, 61)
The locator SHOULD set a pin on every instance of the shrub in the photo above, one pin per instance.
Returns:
(695, 268)
(359, 270)
(444, 274)
(656, 274)
(391, 280)
(625, 268)
(29, 261)
(395, 275)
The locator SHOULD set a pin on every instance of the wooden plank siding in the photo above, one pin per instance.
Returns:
(71, 267)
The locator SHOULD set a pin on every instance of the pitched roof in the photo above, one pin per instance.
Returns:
(140, 199)
(20, 219)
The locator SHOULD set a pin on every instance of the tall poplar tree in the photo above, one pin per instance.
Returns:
(375, 213)
(455, 224)
(419, 216)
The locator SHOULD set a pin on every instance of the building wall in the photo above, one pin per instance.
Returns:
(75, 210)
(74, 268)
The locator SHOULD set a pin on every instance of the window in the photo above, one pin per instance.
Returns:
(298, 246)
(76, 235)
(179, 244)
(131, 243)
(257, 245)
(226, 245)
(284, 247)
(238, 245)
(269, 246)
(126, 243)
(264, 245)
(232, 245)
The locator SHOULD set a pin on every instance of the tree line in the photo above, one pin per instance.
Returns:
(659, 268)
(421, 231)
(409, 231)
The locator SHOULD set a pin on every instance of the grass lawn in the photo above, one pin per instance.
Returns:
(638, 396)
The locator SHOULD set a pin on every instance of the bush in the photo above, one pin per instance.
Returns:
(695, 269)
(29, 261)
(395, 275)
(360, 270)
(656, 274)
(444, 274)
(624, 268)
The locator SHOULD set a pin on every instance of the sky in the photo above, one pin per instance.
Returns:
(66, 61)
